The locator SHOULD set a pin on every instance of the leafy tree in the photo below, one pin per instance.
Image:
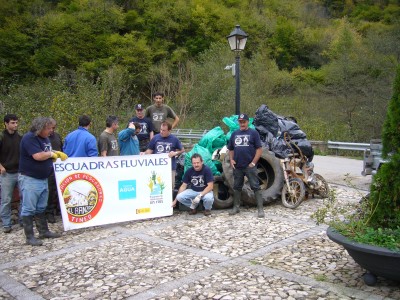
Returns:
(385, 189)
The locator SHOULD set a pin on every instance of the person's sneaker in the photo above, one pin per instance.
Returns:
(7, 229)
(207, 212)
(192, 212)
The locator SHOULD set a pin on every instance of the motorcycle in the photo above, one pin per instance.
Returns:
(300, 179)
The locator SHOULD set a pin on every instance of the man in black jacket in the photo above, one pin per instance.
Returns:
(9, 162)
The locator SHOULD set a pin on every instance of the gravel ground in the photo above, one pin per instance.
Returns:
(284, 256)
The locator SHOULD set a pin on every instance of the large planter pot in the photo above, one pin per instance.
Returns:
(377, 261)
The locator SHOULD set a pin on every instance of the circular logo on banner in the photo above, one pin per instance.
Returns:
(83, 197)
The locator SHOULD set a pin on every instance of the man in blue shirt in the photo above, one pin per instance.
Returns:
(35, 167)
(201, 181)
(80, 142)
(165, 142)
(128, 141)
(244, 152)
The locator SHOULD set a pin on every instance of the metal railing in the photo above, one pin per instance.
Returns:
(187, 135)
(348, 146)
(192, 136)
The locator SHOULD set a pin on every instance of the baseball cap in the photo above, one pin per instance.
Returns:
(243, 117)
(139, 106)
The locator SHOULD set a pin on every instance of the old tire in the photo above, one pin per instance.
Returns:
(222, 195)
(294, 198)
(270, 174)
(322, 189)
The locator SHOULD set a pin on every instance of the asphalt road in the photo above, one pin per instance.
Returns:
(341, 170)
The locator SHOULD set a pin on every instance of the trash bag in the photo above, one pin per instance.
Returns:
(267, 119)
(305, 147)
(213, 140)
(287, 125)
(180, 168)
(206, 159)
(279, 147)
(233, 124)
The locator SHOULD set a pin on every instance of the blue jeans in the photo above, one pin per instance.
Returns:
(8, 183)
(251, 174)
(35, 193)
(188, 195)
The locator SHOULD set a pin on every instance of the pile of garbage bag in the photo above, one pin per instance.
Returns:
(272, 128)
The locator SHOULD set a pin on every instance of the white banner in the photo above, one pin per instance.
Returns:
(101, 190)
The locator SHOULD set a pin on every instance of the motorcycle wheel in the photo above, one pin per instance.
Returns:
(296, 196)
(323, 186)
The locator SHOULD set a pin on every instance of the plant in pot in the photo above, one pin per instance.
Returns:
(370, 230)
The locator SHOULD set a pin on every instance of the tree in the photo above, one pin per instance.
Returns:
(385, 189)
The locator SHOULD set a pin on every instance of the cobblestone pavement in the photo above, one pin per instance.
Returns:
(284, 256)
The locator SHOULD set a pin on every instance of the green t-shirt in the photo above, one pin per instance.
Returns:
(108, 142)
(159, 115)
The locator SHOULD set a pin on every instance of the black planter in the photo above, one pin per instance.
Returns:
(377, 261)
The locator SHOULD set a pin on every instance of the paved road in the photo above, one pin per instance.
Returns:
(341, 170)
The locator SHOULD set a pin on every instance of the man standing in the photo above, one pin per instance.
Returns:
(35, 165)
(244, 152)
(165, 142)
(9, 162)
(53, 203)
(200, 177)
(80, 142)
(128, 141)
(146, 127)
(108, 144)
(160, 112)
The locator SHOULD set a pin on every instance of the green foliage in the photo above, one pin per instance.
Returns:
(352, 220)
(391, 129)
(332, 75)
(377, 219)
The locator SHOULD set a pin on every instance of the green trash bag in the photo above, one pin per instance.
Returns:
(213, 140)
(233, 124)
(206, 159)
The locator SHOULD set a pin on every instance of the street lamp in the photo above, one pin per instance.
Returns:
(237, 41)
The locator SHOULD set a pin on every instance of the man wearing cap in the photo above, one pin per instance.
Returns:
(146, 127)
(244, 152)
(160, 112)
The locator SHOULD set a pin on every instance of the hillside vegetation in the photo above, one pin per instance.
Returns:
(328, 63)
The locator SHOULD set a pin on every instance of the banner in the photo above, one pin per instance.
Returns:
(102, 190)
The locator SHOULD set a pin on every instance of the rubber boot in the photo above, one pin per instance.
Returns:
(260, 204)
(50, 217)
(43, 227)
(236, 203)
(27, 222)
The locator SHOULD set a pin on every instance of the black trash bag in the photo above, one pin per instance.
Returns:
(180, 170)
(297, 134)
(305, 147)
(263, 132)
(279, 147)
(266, 118)
(287, 125)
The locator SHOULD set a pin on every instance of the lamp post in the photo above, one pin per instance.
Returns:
(237, 41)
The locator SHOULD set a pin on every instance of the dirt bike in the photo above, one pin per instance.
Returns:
(300, 179)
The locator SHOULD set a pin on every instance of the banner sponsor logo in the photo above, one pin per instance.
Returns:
(83, 197)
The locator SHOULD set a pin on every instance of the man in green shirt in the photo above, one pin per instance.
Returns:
(160, 112)
(108, 143)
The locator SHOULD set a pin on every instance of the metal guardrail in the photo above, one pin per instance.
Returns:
(348, 146)
(187, 135)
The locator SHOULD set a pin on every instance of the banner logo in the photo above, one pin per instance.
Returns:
(83, 197)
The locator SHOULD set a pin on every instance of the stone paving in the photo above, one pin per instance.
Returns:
(284, 256)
